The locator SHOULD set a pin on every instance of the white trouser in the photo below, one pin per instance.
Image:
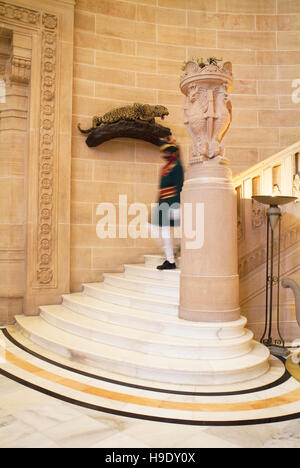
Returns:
(163, 233)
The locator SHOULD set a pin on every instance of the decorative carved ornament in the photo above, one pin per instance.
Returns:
(19, 70)
(258, 215)
(48, 25)
(19, 14)
(207, 109)
(45, 271)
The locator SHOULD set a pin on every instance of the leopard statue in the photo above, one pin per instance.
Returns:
(141, 112)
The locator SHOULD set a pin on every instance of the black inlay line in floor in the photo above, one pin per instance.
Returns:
(286, 376)
(102, 409)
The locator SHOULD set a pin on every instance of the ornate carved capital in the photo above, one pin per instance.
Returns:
(19, 69)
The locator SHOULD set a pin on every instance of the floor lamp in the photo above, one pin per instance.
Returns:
(274, 215)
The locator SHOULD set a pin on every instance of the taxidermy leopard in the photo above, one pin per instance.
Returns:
(143, 112)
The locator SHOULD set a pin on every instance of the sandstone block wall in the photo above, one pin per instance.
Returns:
(127, 51)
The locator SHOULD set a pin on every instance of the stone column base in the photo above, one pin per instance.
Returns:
(209, 289)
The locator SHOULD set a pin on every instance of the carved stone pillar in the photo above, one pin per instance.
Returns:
(209, 272)
(42, 60)
(15, 75)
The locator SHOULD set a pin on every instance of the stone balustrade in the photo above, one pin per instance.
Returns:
(278, 174)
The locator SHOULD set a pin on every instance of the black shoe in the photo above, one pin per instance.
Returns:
(167, 266)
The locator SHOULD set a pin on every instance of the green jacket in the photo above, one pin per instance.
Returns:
(170, 187)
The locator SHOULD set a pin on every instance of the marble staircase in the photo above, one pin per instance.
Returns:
(128, 324)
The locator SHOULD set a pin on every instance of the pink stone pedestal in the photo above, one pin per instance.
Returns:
(209, 290)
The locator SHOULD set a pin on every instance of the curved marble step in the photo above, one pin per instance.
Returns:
(147, 271)
(164, 324)
(137, 300)
(145, 341)
(136, 364)
(144, 285)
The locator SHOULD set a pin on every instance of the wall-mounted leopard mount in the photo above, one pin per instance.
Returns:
(136, 121)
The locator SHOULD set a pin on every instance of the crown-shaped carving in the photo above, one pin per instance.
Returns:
(211, 70)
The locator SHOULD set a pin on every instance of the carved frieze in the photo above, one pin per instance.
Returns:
(17, 13)
(45, 270)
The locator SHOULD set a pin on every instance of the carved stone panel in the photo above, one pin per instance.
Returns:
(258, 215)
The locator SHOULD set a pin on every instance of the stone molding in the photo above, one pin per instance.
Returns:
(12, 255)
(46, 268)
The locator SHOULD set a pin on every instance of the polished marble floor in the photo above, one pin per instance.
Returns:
(49, 401)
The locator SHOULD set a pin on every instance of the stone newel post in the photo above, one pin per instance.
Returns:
(209, 270)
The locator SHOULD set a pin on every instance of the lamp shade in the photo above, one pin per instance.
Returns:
(274, 200)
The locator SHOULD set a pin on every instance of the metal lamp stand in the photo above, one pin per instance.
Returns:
(274, 215)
